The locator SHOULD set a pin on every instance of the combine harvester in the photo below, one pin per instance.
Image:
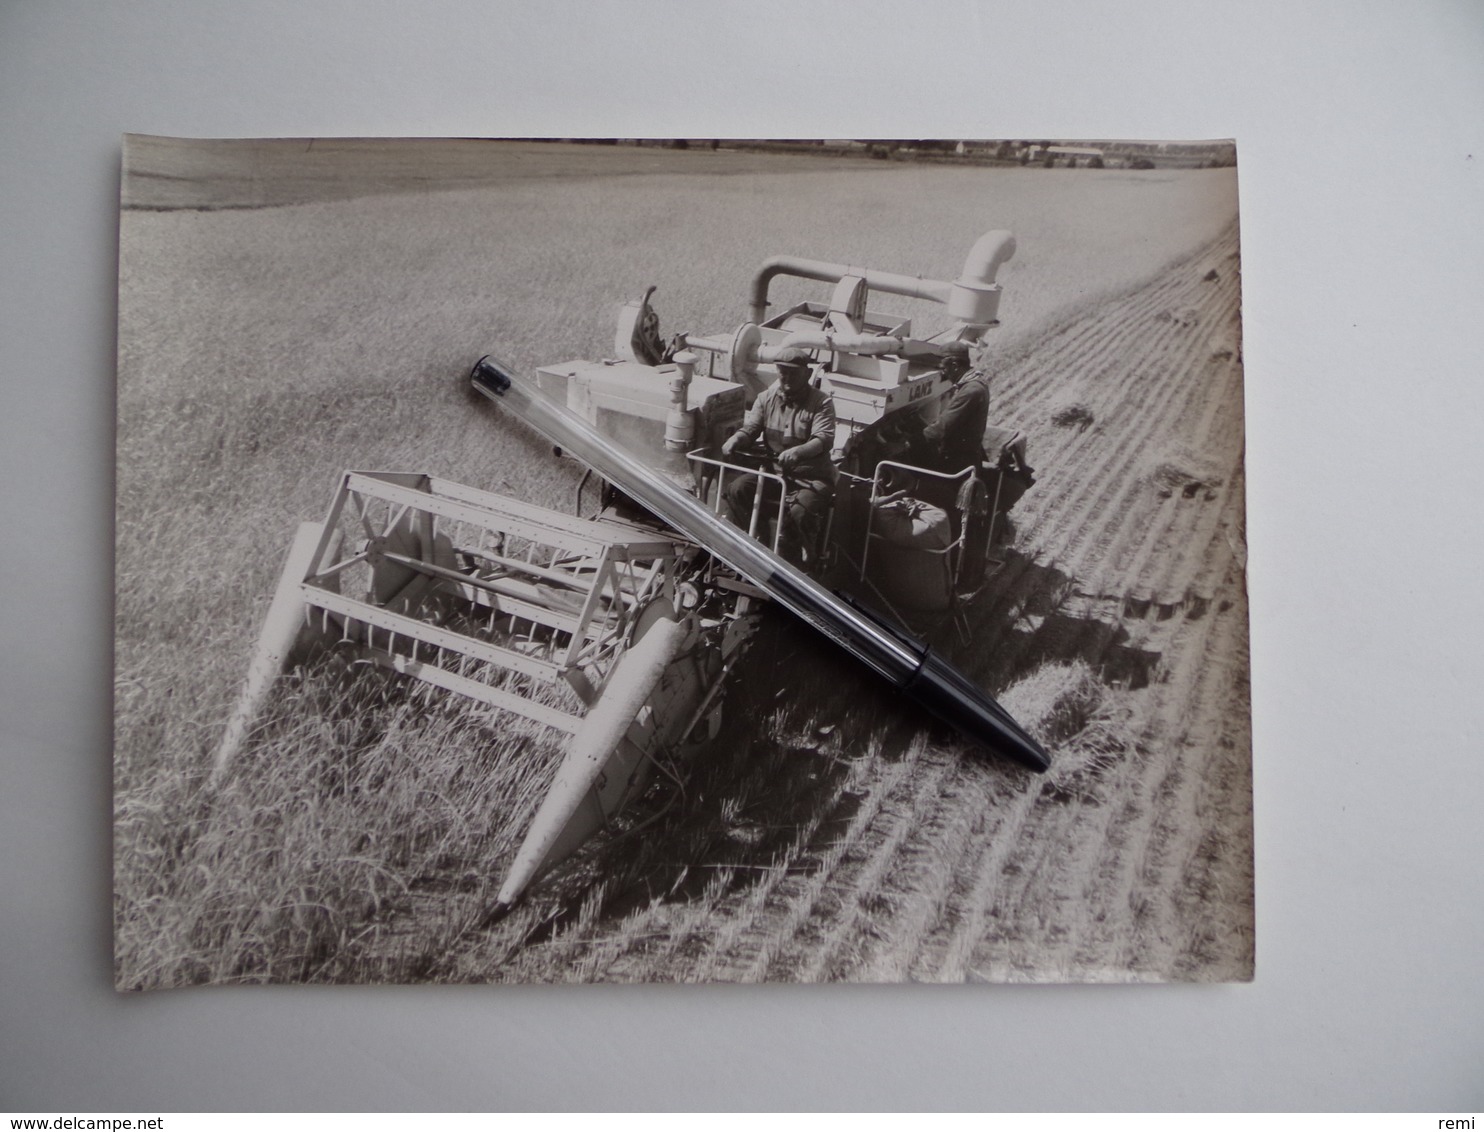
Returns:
(613, 630)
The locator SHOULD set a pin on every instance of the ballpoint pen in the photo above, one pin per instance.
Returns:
(910, 665)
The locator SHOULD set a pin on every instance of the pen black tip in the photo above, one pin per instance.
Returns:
(950, 696)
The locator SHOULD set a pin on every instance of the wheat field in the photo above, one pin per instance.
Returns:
(285, 314)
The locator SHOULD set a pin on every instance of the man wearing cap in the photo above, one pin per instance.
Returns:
(956, 438)
(797, 422)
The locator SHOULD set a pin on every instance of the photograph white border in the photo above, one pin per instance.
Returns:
(1360, 147)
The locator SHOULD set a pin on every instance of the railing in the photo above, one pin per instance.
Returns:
(718, 505)
(953, 552)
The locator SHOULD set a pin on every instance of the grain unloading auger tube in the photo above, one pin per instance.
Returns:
(570, 624)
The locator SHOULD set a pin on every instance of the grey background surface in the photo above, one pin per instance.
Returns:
(1360, 146)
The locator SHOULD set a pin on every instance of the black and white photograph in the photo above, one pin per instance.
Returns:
(413, 683)
(416, 661)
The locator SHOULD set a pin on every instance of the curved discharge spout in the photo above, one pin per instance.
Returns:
(973, 297)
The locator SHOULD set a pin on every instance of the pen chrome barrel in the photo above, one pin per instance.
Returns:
(908, 664)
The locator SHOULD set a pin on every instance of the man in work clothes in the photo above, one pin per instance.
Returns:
(797, 422)
(956, 438)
